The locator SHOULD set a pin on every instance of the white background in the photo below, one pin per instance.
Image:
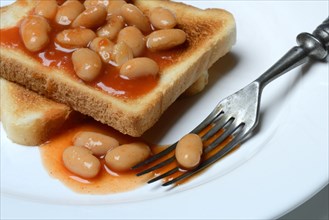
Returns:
(281, 167)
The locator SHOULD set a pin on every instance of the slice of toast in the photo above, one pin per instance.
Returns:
(210, 35)
(28, 118)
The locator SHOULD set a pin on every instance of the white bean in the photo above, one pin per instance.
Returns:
(87, 64)
(165, 39)
(135, 17)
(77, 37)
(138, 67)
(91, 18)
(46, 8)
(34, 31)
(111, 28)
(188, 151)
(126, 156)
(91, 3)
(121, 53)
(68, 11)
(98, 143)
(114, 8)
(134, 38)
(104, 47)
(162, 18)
(81, 162)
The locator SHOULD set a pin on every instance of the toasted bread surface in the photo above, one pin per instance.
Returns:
(28, 118)
(210, 35)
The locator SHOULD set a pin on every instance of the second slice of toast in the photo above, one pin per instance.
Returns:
(28, 118)
(210, 35)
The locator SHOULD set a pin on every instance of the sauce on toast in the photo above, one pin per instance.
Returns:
(110, 81)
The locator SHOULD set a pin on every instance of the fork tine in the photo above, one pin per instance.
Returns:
(219, 124)
(156, 156)
(236, 140)
(213, 115)
(168, 173)
(231, 128)
(229, 131)
(157, 166)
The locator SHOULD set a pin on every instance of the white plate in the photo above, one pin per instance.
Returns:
(280, 167)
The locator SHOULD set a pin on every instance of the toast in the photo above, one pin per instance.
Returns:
(28, 118)
(31, 119)
(210, 34)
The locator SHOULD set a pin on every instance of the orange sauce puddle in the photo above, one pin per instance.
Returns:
(108, 182)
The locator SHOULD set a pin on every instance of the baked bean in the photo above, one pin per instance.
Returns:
(188, 151)
(91, 3)
(98, 143)
(68, 11)
(80, 161)
(124, 157)
(162, 18)
(114, 8)
(138, 67)
(46, 8)
(104, 47)
(34, 31)
(165, 39)
(135, 17)
(77, 37)
(87, 64)
(134, 38)
(91, 17)
(112, 28)
(121, 53)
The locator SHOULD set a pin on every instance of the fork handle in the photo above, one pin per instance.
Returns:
(315, 46)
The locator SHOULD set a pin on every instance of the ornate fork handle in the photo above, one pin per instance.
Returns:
(314, 46)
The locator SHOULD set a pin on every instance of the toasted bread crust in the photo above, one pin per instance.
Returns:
(210, 35)
(29, 119)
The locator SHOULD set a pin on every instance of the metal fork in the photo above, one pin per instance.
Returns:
(238, 114)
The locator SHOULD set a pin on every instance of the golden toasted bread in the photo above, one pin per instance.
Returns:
(210, 34)
(28, 118)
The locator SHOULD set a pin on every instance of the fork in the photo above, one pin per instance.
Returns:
(238, 114)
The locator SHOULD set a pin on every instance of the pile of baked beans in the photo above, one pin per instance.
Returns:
(89, 148)
(103, 32)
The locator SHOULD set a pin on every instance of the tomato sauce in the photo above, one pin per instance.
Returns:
(107, 181)
(109, 81)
